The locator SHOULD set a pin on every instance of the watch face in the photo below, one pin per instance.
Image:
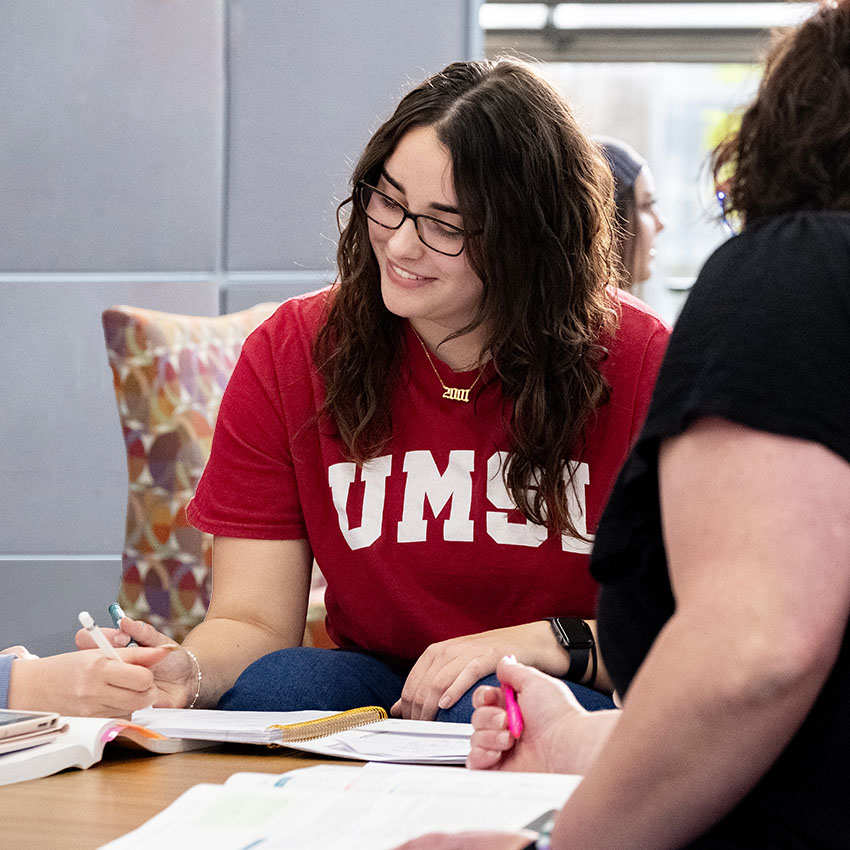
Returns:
(575, 632)
(575, 636)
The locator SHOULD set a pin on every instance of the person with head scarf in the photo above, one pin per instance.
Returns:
(638, 219)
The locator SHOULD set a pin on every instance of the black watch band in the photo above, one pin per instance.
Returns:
(575, 636)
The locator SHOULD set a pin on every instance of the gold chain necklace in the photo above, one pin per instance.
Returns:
(453, 393)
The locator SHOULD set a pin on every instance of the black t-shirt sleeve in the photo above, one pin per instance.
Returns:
(764, 341)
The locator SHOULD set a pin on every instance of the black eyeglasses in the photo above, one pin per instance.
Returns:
(437, 235)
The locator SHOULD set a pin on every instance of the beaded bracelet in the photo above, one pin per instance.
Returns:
(198, 689)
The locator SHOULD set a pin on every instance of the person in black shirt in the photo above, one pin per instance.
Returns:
(724, 550)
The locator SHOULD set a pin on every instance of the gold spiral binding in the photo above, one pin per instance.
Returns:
(308, 730)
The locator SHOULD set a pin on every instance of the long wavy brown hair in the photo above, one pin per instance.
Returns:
(537, 194)
(792, 150)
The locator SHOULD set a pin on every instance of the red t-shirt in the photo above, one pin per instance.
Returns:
(421, 544)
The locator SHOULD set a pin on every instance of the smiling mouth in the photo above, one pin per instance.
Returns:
(404, 274)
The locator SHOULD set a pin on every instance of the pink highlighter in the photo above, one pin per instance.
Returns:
(512, 708)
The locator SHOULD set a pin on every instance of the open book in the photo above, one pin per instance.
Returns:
(362, 733)
(79, 742)
(341, 807)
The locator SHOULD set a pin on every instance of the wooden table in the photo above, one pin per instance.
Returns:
(84, 809)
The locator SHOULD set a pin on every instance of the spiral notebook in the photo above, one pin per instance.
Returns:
(361, 733)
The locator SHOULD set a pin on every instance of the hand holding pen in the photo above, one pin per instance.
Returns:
(512, 708)
(152, 670)
(117, 614)
(98, 636)
(173, 676)
(555, 728)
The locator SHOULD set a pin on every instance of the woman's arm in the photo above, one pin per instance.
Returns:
(258, 605)
(757, 531)
(448, 669)
(87, 682)
(558, 736)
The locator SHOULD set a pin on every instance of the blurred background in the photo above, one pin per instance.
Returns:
(188, 156)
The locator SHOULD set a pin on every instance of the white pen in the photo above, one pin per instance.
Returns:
(98, 636)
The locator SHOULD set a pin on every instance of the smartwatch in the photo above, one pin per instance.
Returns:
(575, 636)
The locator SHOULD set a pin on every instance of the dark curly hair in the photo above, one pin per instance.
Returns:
(538, 197)
(792, 151)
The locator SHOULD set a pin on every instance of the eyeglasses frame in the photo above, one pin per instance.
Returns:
(362, 185)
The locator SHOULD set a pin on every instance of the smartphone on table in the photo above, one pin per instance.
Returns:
(14, 723)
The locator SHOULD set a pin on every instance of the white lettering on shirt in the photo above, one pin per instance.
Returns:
(527, 533)
(374, 475)
(424, 481)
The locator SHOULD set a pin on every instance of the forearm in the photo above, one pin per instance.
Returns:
(694, 738)
(224, 648)
(755, 533)
(27, 689)
(248, 619)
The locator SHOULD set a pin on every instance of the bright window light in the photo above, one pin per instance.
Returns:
(707, 15)
(512, 16)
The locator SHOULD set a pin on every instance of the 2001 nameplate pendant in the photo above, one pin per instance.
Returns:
(456, 394)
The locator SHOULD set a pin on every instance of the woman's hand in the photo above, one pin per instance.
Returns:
(559, 736)
(448, 669)
(471, 841)
(143, 633)
(174, 672)
(88, 683)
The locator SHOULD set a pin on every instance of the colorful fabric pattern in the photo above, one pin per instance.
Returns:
(169, 373)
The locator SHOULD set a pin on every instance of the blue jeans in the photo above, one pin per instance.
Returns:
(336, 680)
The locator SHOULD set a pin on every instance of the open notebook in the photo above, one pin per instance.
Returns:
(343, 807)
(358, 734)
(363, 733)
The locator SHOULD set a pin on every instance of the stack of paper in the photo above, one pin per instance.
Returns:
(337, 807)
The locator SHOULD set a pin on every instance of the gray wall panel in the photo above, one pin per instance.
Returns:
(63, 472)
(182, 156)
(238, 295)
(48, 595)
(307, 90)
(111, 138)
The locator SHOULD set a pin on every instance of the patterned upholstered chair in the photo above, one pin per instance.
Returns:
(169, 373)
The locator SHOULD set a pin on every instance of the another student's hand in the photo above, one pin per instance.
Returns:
(87, 683)
(558, 736)
(175, 674)
(448, 669)
(471, 841)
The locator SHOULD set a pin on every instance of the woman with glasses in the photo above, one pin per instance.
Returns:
(638, 219)
(724, 551)
(439, 429)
